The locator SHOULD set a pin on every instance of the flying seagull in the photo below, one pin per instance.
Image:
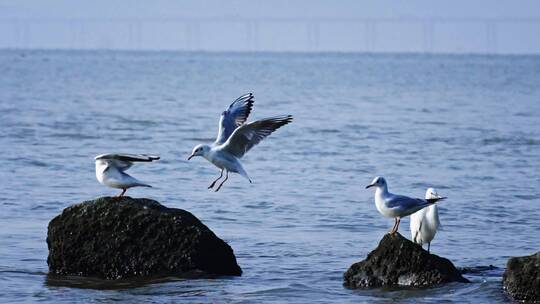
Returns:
(236, 137)
(396, 206)
(425, 222)
(110, 170)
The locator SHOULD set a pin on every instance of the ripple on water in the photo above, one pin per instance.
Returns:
(513, 141)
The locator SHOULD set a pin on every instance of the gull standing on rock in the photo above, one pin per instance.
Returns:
(424, 223)
(396, 206)
(110, 170)
(236, 137)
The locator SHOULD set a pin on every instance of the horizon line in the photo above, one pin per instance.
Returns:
(294, 52)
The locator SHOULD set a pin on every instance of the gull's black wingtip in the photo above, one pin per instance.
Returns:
(152, 157)
(248, 97)
(285, 118)
(288, 119)
(434, 200)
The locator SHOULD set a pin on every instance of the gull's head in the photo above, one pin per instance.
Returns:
(431, 194)
(377, 182)
(199, 150)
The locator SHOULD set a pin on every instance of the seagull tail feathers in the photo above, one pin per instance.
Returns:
(435, 200)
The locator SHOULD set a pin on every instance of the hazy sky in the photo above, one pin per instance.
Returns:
(303, 25)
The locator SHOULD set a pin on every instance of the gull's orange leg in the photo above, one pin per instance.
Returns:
(398, 220)
(393, 227)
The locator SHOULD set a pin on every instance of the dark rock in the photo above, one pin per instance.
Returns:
(521, 280)
(123, 238)
(398, 261)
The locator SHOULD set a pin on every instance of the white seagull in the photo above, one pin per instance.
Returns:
(236, 137)
(424, 223)
(396, 206)
(110, 170)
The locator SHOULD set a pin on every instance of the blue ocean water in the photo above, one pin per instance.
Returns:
(466, 125)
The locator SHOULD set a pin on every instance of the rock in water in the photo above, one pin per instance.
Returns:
(521, 279)
(122, 238)
(398, 261)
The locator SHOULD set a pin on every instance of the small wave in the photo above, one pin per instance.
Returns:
(28, 161)
(524, 114)
(292, 288)
(260, 205)
(37, 163)
(435, 123)
(519, 141)
(225, 219)
(21, 271)
(330, 131)
(357, 127)
(478, 269)
(525, 196)
(202, 139)
(77, 136)
(142, 122)
(43, 207)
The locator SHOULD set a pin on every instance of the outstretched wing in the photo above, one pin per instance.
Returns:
(248, 135)
(128, 157)
(235, 116)
(124, 161)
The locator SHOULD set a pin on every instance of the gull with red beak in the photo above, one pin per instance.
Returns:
(396, 206)
(236, 137)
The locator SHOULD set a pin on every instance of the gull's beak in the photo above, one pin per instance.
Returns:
(190, 157)
(369, 186)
